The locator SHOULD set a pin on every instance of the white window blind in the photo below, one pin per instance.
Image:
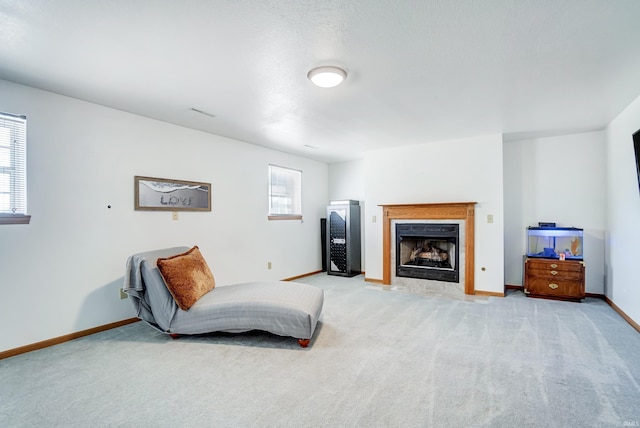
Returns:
(285, 193)
(13, 169)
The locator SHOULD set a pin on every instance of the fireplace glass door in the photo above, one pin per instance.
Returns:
(427, 251)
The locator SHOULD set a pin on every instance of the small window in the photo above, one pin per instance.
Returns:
(285, 193)
(13, 171)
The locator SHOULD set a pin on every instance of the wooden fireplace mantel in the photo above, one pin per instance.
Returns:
(437, 211)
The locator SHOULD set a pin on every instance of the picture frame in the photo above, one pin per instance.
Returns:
(162, 194)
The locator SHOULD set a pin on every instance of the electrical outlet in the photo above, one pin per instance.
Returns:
(123, 295)
(268, 265)
(374, 219)
(174, 215)
(489, 218)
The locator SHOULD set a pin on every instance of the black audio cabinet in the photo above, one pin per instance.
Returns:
(343, 238)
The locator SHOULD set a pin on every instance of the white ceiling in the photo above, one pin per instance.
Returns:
(419, 71)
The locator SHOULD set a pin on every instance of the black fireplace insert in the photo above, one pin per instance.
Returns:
(428, 251)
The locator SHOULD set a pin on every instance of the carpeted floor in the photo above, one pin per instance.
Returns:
(379, 359)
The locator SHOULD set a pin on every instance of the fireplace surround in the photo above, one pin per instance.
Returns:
(436, 211)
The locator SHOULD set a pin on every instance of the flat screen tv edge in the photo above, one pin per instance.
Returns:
(636, 149)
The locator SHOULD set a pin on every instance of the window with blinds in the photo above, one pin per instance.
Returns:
(13, 169)
(285, 193)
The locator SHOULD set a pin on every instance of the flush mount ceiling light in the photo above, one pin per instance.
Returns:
(327, 76)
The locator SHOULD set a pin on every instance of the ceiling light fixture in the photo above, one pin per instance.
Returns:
(327, 76)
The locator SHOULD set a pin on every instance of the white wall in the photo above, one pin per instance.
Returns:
(346, 180)
(623, 213)
(467, 170)
(556, 179)
(61, 273)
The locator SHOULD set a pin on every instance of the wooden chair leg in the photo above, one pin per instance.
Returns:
(304, 342)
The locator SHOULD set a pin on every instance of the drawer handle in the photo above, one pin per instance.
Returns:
(553, 266)
(553, 286)
(554, 272)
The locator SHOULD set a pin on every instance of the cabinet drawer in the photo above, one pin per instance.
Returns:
(558, 275)
(547, 287)
(557, 265)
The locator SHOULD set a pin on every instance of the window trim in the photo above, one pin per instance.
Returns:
(20, 217)
(272, 216)
(285, 216)
(15, 218)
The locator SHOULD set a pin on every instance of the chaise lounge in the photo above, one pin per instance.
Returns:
(167, 291)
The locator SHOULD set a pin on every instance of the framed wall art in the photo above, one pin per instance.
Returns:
(161, 194)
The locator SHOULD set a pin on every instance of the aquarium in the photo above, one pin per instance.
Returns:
(555, 242)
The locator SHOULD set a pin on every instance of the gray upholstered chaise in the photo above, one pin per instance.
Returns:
(279, 307)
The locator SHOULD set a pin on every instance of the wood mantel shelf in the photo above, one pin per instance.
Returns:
(437, 211)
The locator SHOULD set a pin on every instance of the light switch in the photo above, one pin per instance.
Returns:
(175, 215)
(489, 218)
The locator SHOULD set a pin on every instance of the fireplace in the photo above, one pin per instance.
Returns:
(428, 251)
(446, 212)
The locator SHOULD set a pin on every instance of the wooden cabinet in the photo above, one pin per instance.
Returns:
(554, 279)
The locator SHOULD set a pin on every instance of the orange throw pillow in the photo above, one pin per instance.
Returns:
(187, 277)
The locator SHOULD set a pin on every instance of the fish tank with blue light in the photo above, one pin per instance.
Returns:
(564, 243)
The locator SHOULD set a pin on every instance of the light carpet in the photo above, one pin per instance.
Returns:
(378, 359)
